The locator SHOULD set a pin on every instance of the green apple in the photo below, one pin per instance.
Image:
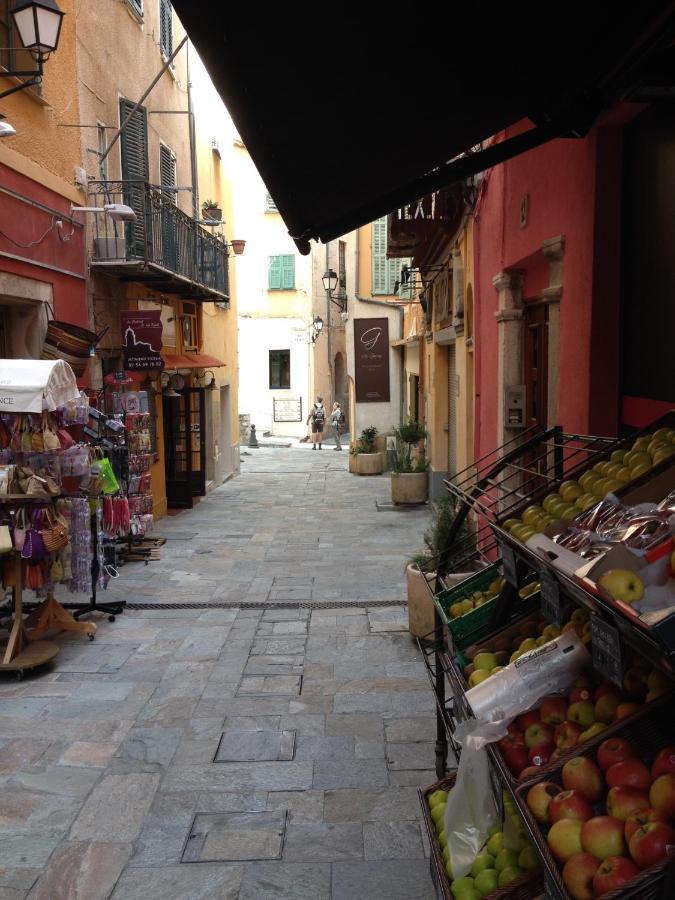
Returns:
(497, 828)
(437, 797)
(622, 584)
(438, 813)
(478, 676)
(569, 511)
(505, 858)
(617, 456)
(639, 470)
(623, 475)
(496, 843)
(509, 874)
(640, 459)
(446, 854)
(531, 513)
(569, 491)
(485, 661)
(551, 500)
(528, 858)
(508, 525)
(486, 882)
(461, 884)
(482, 861)
(587, 500)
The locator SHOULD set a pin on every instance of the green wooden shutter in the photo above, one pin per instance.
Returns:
(288, 272)
(379, 253)
(167, 169)
(274, 274)
(165, 28)
(134, 154)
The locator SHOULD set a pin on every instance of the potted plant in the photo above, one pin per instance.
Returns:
(367, 459)
(409, 468)
(421, 568)
(212, 211)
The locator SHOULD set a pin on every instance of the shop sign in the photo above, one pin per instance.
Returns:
(412, 225)
(142, 339)
(371, 356)
(606, 650)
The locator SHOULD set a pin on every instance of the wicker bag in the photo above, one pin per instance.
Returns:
(54, 531)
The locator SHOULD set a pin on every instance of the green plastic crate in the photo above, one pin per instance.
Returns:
(474, 626)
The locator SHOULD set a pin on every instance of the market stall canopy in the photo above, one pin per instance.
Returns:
(36, 385)
(191, 361)
(350, 116)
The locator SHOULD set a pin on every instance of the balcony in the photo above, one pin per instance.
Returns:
(164, 248)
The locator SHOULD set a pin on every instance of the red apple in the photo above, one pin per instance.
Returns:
(623, 801)
(612, 751)
(605, 687)
(629, 773)
(524, 720)
(603, 837)
(512, 728)
(605, 708)
(612, 873)
(530, 772)
(624, 710)
(515, 739)
(564, 839)
(540, 733)
(540, 754)
(539, 798)
(664, 763)
(662, 794)
(516, 758)
(570, 805)
(581, 774)
(642, 817)
(553, 710)
(635, 683)
(566, 735)
(582, 689)
(652, 843)
(578, 875)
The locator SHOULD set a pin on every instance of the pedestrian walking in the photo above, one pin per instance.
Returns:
(337, 421)
(317, 419)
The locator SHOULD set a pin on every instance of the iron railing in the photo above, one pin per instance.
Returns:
(162, 238)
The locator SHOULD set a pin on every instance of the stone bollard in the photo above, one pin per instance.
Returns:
(253, 440)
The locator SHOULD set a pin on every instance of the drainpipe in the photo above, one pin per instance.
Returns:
(329, 341)
(193, 142)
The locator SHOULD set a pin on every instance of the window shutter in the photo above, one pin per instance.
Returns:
(270, 204)
(379, 250)
(288, 272)
(134, 155)
(274, 277)
(165, 28)
(167, 169)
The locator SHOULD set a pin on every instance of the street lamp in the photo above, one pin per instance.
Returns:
(317, 325)
(38, 24)
(330, 283)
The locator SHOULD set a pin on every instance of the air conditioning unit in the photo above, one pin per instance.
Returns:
(110, 248)
(222, 304)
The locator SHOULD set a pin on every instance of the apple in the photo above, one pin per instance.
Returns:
(581, 774)
(664, 763)
(566, 735)
(652, 843)
(603, 837)
(569, 491)
(607, 687)
(482, 861)
(509, 874)
(605, 707)
(485, 883)
(539, 799)
(461, 884)
(622, 801)
(553, 710)
(578, 875)
(579, 692)
(582, 712)
(478, 676)
(524, 720)
(629, 773)
(516, 758)
(505, 858)
(624, 710)
(528, 858)
(485, 661)
(642, 817)
(496, 843)
(612, 873)
(591, 732)
(569, 805)
(662, 794)
(564, 838)
(540, 733)
(438, 797)
(540, 754)
(622, 584)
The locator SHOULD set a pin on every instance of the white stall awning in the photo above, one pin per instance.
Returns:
(35, 385)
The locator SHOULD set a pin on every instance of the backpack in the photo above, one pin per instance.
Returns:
(318, 416)
(342, 419)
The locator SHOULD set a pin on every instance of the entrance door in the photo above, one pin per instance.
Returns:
(184, 447)
(535, 358)
(452, 412)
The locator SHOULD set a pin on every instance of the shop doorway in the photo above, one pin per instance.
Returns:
(185, 447)
(452, 412)
(535, 379)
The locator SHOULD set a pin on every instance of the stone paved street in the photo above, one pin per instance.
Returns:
(265, 751)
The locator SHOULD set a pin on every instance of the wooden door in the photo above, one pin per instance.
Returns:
(184, 447)
(535, 358)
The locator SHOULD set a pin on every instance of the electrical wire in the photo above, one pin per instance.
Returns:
(32, 243)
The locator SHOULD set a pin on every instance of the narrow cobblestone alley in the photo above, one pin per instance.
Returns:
(267, 747)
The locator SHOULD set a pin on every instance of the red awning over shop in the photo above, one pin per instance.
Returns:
(351, 117)
(191, 361)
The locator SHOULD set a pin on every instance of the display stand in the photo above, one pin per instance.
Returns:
(20, 654)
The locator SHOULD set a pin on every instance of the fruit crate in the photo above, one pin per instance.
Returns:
(527, 887)
(648, 731)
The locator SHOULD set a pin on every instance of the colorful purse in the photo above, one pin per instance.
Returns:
(49, 437)
(37, 441)
(65, 440)
(53, 531)
(33, 549)
(19, 530)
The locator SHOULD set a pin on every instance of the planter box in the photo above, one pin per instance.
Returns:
(420, 602)
(409, 487)
(369, 464)
(352, 463)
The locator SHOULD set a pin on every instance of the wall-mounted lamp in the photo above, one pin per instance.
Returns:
(118, 212)
(330, 283)
(6, 130)
(209, 379)
(38, 24)
(317, 326)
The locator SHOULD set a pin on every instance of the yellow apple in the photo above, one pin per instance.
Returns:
(640, 470)
(478, 676)
(663, 454)
(622, 584)
(623, 475)
(569, 491)
(617, 456)
(531, 513)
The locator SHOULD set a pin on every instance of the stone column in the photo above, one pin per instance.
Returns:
(553, 250)
(509, 316)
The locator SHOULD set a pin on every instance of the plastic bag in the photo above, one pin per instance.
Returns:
(110, 483)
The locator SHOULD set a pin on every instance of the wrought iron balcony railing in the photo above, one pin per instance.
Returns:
(163, 247)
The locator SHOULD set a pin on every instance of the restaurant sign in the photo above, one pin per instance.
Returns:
(142, 339)
(371, 355)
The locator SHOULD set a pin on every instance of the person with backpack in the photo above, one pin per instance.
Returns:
(337, 421)
(317, 418)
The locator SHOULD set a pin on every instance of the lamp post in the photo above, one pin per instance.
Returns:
(38, 24)
(317, 326)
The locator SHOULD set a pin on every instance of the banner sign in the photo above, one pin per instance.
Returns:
(142, 339)
(371, 355)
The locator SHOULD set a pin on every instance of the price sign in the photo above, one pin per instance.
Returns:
(553, 607)
(509, 562)
(606, 650)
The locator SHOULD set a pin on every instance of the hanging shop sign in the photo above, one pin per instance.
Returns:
(142, 339)
(371, 355)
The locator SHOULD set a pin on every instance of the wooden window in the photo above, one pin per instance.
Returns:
(386, 272)
(342, 270)
(281, 273)
(280, 369)
(165, 28)
(189, 327)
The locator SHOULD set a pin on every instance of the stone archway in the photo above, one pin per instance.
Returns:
(341, 387)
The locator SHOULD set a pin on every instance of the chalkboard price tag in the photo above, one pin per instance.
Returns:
(606, 650)
(554, 608)
(509, 562)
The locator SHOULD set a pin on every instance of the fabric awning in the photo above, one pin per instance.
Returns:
(36, 385)
(352, 117)
(191, 361)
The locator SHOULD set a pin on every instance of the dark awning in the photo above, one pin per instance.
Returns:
(352, 112)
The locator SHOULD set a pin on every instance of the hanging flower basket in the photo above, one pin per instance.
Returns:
(238, 247)
(71, 343)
